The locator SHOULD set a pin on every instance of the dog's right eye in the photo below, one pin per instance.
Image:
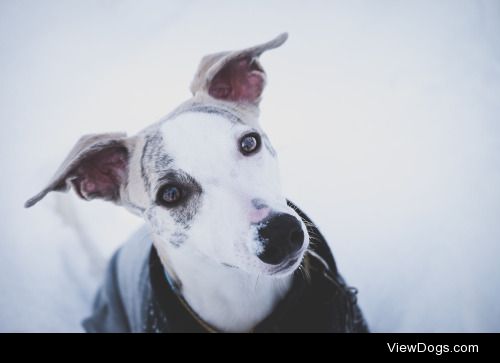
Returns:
(169, 195)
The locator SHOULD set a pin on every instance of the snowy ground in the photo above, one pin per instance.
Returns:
(393, 106)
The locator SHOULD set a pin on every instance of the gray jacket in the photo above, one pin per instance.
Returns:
(136, 296)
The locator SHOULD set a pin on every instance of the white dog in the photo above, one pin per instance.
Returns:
(222, 249)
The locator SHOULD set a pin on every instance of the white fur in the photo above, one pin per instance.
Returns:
(206, 147)
(228, 298)
(210, 243)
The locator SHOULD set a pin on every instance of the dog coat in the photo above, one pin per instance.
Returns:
(138, 296)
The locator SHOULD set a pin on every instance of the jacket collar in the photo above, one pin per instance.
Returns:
(318, 300)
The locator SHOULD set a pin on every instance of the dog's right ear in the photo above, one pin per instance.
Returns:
(96, 167)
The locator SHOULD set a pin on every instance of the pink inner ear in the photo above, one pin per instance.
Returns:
(240, 81)
(101, 174)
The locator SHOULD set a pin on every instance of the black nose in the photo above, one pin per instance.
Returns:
(282, 236)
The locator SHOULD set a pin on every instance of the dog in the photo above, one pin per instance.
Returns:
(222, 248)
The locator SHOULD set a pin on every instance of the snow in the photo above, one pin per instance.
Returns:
(384, 114)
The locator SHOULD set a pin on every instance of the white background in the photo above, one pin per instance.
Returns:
(385, 115)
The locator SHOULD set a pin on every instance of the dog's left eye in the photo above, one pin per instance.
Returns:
(169, 195)
(250, 143)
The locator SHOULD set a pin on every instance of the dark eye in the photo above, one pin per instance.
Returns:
(169, 195)
(250, 143)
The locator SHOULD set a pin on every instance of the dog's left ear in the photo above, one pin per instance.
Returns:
(234, 76)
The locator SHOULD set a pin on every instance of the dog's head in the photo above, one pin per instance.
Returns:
(205, 177)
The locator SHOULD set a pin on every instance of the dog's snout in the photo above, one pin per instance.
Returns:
(259, 211)
(282, 237)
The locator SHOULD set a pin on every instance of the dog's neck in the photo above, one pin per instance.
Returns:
(226, 298)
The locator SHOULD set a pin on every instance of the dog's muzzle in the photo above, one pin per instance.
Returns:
(282, 238)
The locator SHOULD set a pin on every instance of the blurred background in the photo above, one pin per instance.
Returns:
(385, 115)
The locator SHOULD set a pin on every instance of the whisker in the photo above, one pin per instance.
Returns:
(256, 282)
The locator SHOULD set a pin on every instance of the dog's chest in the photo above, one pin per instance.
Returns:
(232, 303)
(227, 298)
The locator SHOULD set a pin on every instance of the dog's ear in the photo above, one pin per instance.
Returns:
(96, 167)
(234, 76)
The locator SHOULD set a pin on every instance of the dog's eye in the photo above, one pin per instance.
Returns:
(250, 143)
(169, 195)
